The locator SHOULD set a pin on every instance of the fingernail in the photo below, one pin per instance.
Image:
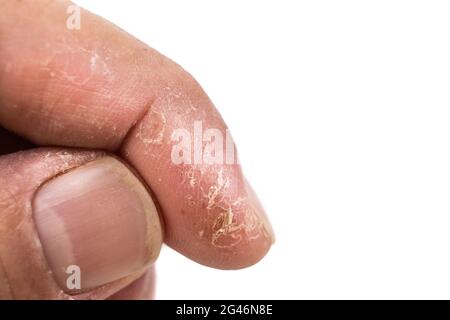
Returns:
(97, 223)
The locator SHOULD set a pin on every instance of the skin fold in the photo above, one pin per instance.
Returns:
(98, 88)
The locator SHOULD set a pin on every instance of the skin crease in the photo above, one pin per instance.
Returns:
(100, 88)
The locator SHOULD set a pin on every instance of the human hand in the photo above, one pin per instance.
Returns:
(110, 178)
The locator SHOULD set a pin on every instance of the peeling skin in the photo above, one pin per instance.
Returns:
(93, 60)
(215, 192)
(189, 176)
(152, 128)
(175, 94)
(89, 64)
(190, 201)
(67, 160)
(229, 222)
(227, 232)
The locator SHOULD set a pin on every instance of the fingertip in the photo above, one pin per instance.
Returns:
(222, 222)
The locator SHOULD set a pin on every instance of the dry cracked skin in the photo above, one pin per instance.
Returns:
(98, 88)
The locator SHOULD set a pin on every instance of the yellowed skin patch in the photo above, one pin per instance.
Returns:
(224, 213)
(228, 233)
(214, 192)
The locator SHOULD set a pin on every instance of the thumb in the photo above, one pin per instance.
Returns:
(73, 224)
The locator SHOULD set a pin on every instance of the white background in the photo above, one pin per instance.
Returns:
(341, 112)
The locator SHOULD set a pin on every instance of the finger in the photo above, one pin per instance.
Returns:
(141, 289)
(98, 87)
(73, 224)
